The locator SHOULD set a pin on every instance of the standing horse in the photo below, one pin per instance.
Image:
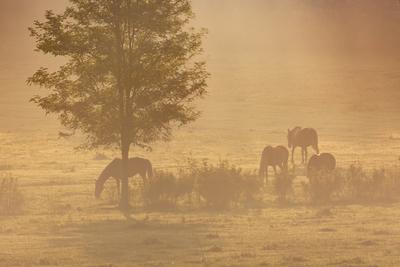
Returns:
(139, 166)
(273, 156)
(302, 138)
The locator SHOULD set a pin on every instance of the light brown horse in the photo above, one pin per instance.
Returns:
(136, 165)
(273, 156)
(303, 138)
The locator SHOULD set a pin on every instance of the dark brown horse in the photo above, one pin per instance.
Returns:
(325, 162)
(139, 166)
(303, 138)
(273, 156)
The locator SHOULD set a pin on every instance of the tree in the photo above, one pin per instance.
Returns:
(132, 71)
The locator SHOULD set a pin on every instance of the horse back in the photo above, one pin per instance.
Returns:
(307, 137)
(275, 155)
(282, 153)
(324, 161)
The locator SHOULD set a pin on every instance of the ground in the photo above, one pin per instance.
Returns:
(63, 225)
(251, 104)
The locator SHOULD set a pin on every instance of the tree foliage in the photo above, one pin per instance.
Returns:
(132, 70)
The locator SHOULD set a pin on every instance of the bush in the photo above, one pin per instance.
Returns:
(354, 184)
(283, 185)
(323, 185)
(251, 188)
(160, 192)
(225, 185)
(378, 185)
(11, 198)
(111, 192)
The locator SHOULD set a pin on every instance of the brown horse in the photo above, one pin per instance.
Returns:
(302, 138)
(273, 156)
(139, 166)
(324, 162)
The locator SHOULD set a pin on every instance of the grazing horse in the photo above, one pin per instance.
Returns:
(323, 162)
(302, 138)
(139, 166)
(273, 156)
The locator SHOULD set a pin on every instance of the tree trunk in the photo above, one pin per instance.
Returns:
(124, 201)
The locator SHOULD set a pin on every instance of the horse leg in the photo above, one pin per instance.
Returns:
(293, 154)
(275, 170)
(315, 146)
(306, 156)
(281, 166)
(143, 175)
(266, 174)
(302, 155)
(118, 184)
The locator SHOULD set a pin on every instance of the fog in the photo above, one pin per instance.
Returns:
(329, 66)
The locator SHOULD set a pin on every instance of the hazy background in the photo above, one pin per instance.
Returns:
(332, 65)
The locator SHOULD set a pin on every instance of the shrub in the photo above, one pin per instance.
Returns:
(377, 185)
(323, 185)
(11, 198)
(251, 186)
(220, 186)
(283, 185)
(161, 191)
(111, 192)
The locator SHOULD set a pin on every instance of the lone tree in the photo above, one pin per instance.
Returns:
(131, 71)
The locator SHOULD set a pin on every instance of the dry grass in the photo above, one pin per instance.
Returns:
(63, 225)
(11, 197)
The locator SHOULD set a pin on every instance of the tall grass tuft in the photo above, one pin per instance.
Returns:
(283, 185)
(324, 186)
(11, 198)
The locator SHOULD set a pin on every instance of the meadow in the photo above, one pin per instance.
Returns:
(62, 224)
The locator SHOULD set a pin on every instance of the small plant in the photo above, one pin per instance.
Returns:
(283, 185)
(251, 188)
(11, 198)
(220, 186)
(161, 191)
(111, 192)
(324, 185)
(378, 185)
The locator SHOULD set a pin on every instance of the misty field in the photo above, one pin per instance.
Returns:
(61, 223)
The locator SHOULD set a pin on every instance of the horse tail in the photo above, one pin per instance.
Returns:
(149, 169)
(315, 146)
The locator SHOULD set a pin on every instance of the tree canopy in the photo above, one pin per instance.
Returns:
(130, 72)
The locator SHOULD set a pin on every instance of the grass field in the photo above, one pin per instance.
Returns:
(61, 223)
